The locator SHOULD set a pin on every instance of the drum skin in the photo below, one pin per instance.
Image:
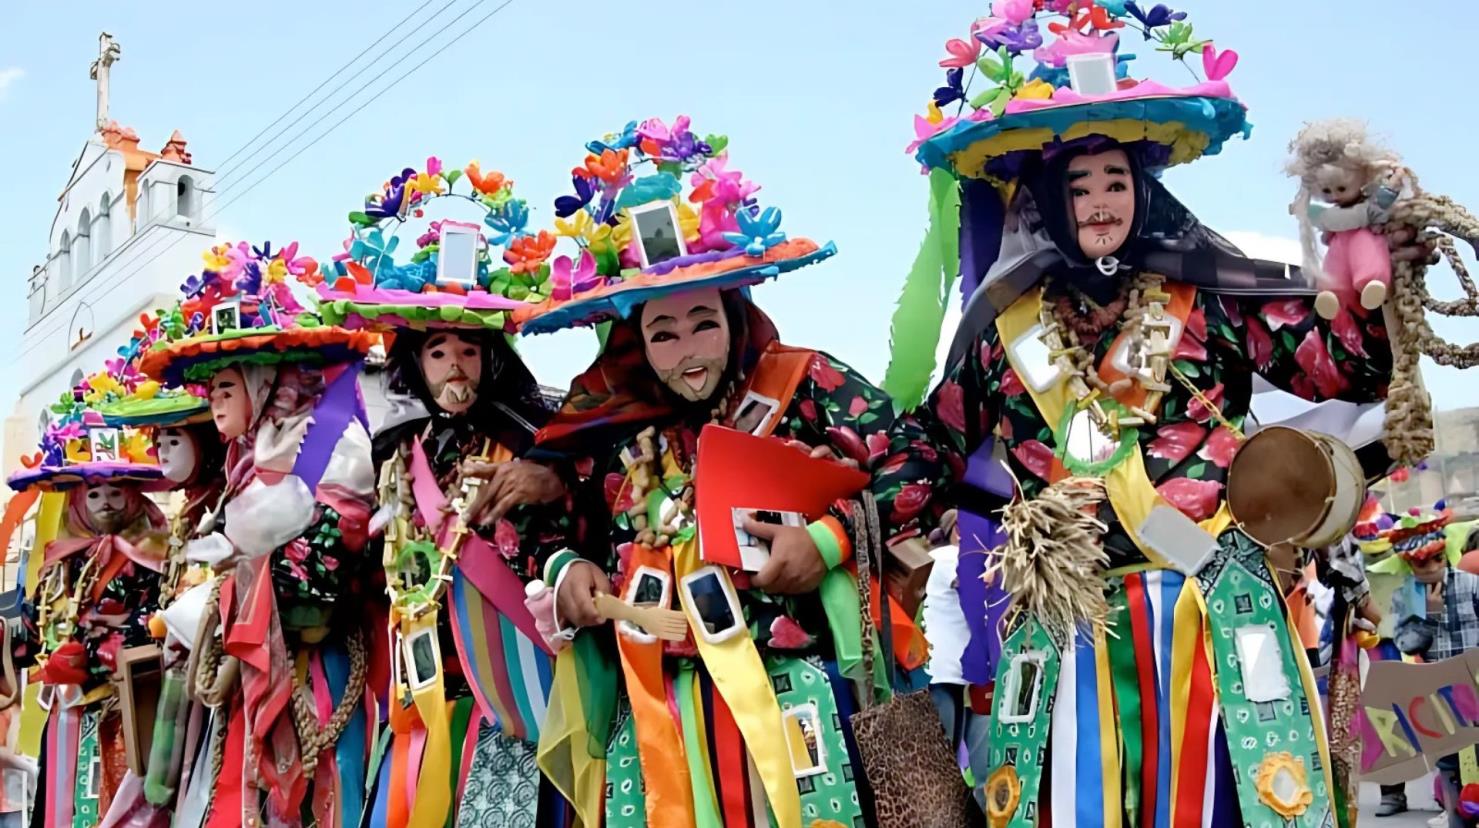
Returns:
(1291, 486)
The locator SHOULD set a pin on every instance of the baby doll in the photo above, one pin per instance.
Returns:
(1359, 180)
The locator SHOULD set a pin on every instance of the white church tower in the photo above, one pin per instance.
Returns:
(130, 225)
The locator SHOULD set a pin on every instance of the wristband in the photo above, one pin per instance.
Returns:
(826, 533)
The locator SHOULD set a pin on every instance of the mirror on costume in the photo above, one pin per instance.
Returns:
(453, 368)
(178, 454)
(1101, 189)
(231, 408)
(1085, 442)
(106, 505)
(686, 339)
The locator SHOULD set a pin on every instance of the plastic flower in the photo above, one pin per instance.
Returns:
(610, 167)
(568, 277)
(584, 191)
(688, 220)
(1075, 43)
(925, 129)
(1017, 39)
(962, 53)
(1013, 11)
(649, 188)
(757, 233)
(1179, 42)
(526, 253)
(615, 141)
(507, 222)
(489, 184)
(1159, 15)
(392, 197)
(433, 165)
(277, 272)
(426, 183)
(1035, 90)
(373, 251)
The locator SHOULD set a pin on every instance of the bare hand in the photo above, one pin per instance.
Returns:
(1408, 245)
(1435, 597)
(575, 604)
(506, 485)
(795, 565)
(822, 452)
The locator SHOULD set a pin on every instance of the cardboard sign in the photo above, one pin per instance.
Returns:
(1413, 714)
(741, 470)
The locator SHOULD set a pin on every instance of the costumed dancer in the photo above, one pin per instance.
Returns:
(740, 649)
(285, 668)
(192, 458)
(475, 671)
(98, 586)
(1110, 341)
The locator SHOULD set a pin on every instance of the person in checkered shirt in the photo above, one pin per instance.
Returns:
(1437, 612)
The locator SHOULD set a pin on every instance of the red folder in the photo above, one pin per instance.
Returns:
(739, 470)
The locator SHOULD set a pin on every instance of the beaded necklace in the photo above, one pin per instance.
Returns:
(1145, 320)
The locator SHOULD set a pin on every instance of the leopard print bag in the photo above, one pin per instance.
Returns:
(906, 755)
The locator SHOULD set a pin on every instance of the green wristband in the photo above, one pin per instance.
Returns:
(826, 541)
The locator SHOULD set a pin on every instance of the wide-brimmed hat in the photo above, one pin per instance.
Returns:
(240, 309)
(638, 233)
(80, 447)
(467, 287)
(1061, 73)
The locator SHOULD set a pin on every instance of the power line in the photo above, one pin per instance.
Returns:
(144, 251)
(121, 280)
(387, 33)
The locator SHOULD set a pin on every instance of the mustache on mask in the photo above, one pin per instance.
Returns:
(1102, 217)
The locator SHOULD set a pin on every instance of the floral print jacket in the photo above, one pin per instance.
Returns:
(1227, 339)
(833, 406)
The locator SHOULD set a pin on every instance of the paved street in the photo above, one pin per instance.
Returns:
(1419, 799)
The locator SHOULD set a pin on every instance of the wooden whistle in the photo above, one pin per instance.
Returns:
(669, 625)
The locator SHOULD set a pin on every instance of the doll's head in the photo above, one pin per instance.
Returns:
(1335, 161)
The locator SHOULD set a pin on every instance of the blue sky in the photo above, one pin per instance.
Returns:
(817, 98)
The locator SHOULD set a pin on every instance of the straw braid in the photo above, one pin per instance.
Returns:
(1409, 422)
(315, 738)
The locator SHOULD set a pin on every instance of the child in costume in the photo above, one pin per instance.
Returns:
(1110, 347)
(1437, 607)
(688, 352)
(465, 408)
(98, 587)
(285, 544)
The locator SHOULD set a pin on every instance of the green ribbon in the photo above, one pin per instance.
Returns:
(1127, 697)
(705, 809)
(598, 676)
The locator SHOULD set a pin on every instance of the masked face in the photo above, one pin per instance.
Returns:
(231, 408)
(178, 454)
(452, 367)
(1101, 190)
(686, 338)
(105, 507)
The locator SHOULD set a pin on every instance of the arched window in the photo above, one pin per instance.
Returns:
(82, 245)
(102, 233)
(64, 259)
(185, 197)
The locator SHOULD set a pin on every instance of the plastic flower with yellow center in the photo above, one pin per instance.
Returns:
(425, 183)
(1003, 795)
(277, 272)
(135, 448)
(215, 258)
(1283, 786)
(596, 237)
(100, 386)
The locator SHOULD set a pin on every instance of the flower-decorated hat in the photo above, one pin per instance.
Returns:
(132, 400)
(640, 233)
(240, 309)
(81, 448)
(1419, 535)
(1059, 71)
(460, 286)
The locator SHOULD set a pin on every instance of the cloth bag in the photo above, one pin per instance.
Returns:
(906, 756)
